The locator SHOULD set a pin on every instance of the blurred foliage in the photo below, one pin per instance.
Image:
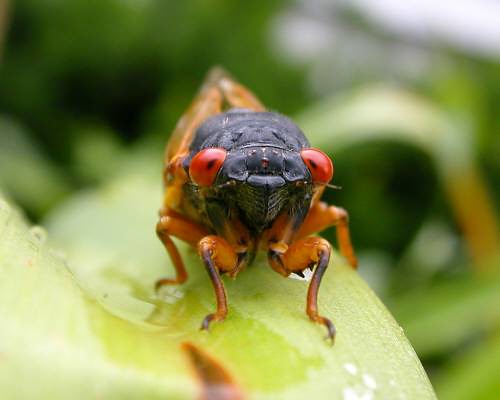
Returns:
(67, 63)
(26, 173)
(89, 90)
(385, 113)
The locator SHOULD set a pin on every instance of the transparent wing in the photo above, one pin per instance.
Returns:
(218, 92)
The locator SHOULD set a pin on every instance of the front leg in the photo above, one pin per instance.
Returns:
(217, 255)
(298, 256)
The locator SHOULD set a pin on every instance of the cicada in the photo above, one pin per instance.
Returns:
(239, 180)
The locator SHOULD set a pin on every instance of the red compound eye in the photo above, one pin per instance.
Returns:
(205, 165)
(319, 164)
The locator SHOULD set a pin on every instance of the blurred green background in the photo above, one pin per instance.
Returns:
(87, 87)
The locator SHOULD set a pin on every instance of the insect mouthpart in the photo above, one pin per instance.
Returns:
(261, 199)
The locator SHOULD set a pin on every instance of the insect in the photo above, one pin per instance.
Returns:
(240, 179)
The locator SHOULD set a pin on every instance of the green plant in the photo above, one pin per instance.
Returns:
(85, 321)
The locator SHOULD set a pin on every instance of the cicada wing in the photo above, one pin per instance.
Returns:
(208, 102)
(218, 92)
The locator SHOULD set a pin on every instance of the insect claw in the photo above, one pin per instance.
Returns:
(299, 273)
(209, 319)
(206, 322)
(331, 330)
(164, 282)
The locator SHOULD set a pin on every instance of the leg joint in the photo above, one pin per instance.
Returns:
(219, 251)
(340, 214)
(163, 225)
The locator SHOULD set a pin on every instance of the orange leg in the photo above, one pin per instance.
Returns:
(300, 255)
(217, 255)
(183, 229)
(322, 216)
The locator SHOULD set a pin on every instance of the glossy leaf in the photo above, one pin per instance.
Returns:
(84, 322)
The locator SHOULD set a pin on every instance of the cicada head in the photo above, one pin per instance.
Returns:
(257, 168)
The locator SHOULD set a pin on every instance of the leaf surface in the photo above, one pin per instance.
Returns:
(84, 321)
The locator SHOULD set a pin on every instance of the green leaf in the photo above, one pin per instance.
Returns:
(473, 375)
(85, 323)
(445, 316)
